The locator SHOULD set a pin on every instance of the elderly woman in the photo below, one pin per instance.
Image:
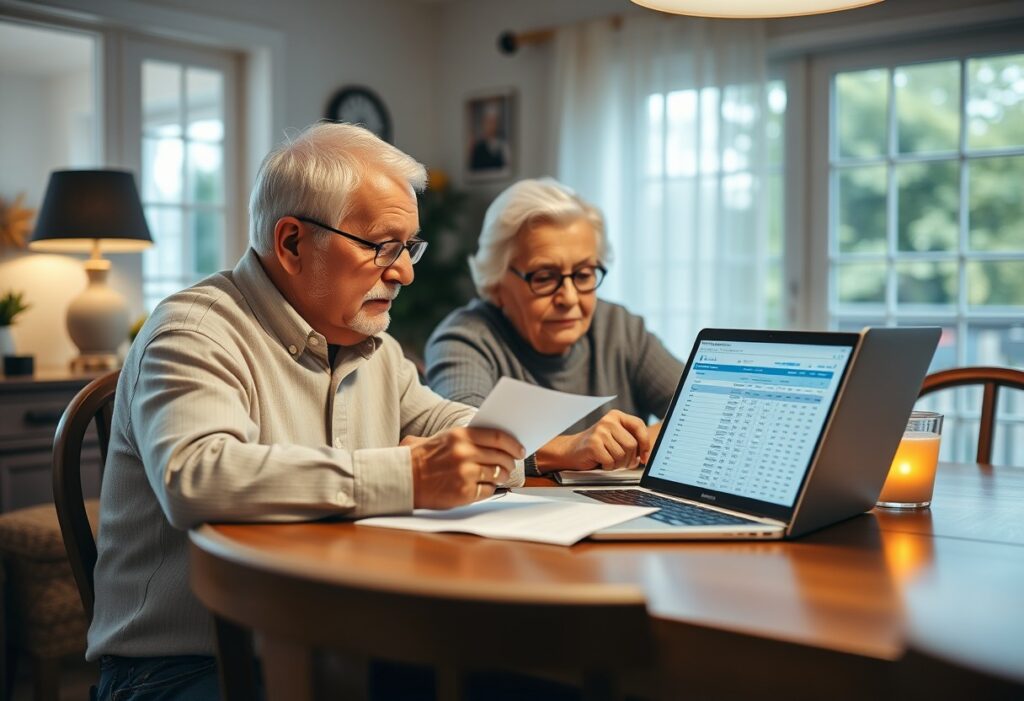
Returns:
(541, 257)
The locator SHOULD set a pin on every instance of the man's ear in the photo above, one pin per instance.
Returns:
(287, 236)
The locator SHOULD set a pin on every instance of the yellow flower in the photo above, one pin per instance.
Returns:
(437, 179)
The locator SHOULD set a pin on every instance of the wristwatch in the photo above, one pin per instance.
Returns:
(530, 466)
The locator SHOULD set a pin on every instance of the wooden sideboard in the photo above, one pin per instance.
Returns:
(30, 408)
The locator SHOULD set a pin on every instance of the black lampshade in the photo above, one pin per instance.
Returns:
(83, 206)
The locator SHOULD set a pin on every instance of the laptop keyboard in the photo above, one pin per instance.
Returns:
(672, 512)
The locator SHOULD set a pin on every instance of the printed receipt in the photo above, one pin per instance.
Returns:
(533, 415)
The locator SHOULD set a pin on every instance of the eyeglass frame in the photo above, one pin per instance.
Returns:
(528, 279)
(414, 242)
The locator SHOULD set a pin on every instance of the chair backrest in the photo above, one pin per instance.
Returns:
(592, 631)
(991, 378)
(94, 403)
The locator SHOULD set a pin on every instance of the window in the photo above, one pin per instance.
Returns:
(182, 108)
(926, 217)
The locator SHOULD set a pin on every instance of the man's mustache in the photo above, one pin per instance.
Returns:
(386, 292)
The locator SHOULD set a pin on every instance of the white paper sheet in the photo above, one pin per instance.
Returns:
(510, 516)
(533, 415)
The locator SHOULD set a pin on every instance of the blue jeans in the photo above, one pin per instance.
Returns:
(178, 678)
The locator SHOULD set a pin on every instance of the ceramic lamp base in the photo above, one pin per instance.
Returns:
(97, 321)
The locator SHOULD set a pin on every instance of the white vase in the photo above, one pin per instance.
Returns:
(6, 341)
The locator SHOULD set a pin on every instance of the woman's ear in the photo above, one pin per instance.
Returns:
(287, 234)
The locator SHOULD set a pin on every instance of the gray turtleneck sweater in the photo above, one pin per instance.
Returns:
(476, 345)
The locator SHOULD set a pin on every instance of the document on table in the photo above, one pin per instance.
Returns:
(599, 476)
(510, 516)
(533, 415)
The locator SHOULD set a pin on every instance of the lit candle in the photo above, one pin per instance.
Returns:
(912, 474)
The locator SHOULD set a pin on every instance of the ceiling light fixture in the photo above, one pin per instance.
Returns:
(751, 9)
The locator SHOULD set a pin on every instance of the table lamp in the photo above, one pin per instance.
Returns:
(93, 210)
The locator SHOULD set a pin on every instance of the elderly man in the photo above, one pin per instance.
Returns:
(271, 393)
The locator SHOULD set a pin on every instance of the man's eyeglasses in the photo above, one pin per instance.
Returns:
(387, 252)
(546, 281)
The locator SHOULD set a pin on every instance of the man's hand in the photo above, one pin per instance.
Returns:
(460, 465)
(617, 440)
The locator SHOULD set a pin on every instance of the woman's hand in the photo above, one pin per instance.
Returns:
(616, 440)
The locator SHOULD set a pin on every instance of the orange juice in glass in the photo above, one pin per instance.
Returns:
(912, 473)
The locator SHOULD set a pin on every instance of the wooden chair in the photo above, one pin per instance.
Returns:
(95, 403)
(49, 599)
(594, 632)
(991, 378)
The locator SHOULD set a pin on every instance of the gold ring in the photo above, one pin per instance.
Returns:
(477, 492)
(497, 471)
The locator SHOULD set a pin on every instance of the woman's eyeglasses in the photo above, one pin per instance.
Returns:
(546, 281)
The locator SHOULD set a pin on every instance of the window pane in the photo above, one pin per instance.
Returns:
(207, 233)
(992, 344)
(161, 170)
(926, 283)
(860, 283)
(995, 101)
(862, 210)
(995, 283)
(206, 173)
(928, 107)
(996, 204)
(164, 258)
(929, 194)
(161, 99)
(862, 99)
(204, 90)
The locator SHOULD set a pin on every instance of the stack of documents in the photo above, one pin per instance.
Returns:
(599, 476)
(517, 517)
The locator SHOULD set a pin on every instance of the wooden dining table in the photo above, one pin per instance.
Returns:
(831, 614)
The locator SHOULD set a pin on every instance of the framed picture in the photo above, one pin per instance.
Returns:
(490, 137)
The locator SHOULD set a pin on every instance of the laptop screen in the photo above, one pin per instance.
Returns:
(745, 423)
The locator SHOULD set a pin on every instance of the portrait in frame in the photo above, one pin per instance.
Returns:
(489, 135)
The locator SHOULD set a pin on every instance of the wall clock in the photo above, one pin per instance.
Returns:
(359, 105)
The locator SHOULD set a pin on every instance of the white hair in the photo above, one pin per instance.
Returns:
(315, 175)
(519, 207)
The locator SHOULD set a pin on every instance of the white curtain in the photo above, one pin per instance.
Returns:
(661, 121)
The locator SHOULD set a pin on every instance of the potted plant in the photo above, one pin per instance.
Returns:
(11, 305)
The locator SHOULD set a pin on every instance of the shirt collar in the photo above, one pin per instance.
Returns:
(279, 317)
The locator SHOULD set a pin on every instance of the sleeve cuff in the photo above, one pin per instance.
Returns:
(383, 481)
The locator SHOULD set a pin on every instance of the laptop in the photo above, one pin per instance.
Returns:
(773, 434)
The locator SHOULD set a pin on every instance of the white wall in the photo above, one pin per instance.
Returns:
(469, 61)
(387, 45)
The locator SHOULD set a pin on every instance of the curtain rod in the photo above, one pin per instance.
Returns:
(509, 42)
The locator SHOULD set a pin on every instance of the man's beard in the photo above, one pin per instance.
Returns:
(374, 324)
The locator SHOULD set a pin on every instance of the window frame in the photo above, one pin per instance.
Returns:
(134, 51)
